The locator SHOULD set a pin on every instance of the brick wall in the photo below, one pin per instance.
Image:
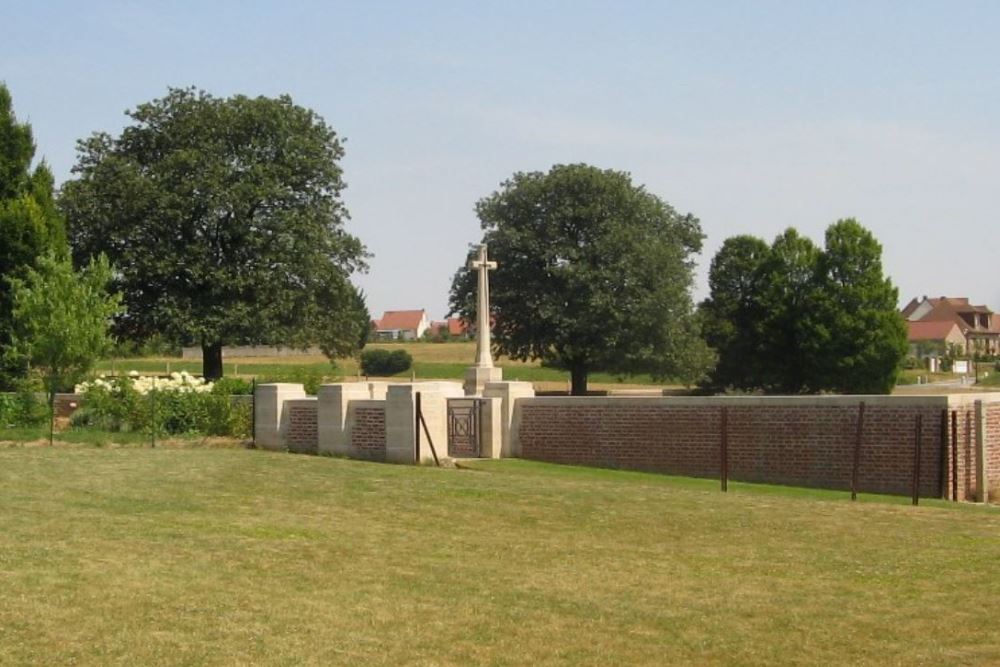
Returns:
(807, 441)
(302, 435)
(993, 451)
(965, 455)
(368, 433)
(66, 404)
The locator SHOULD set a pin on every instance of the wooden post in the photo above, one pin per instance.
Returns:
(857, 451)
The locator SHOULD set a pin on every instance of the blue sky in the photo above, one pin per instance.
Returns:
(753, 116)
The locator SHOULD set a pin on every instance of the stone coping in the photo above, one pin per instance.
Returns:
(942, 400)
(308, 400)
(368, 403)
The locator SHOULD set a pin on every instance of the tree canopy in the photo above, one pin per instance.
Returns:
(791, 318)
(61, 320)
(30, 226)
(224, 220)
(594, 275)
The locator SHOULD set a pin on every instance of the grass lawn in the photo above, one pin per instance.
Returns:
(227, 556)
(85, 436)
(447, 361)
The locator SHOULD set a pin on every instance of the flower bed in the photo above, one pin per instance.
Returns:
(180, 403)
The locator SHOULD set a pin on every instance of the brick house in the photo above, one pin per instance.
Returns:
(453, 325)
(401, 325)
(953, 320)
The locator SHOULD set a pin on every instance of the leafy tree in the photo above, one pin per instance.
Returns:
(225, 222)
(29, 223)
(792, 318)
(731, 314)
(786, 280)
(61, 321)
(856, 336)
(594, 274)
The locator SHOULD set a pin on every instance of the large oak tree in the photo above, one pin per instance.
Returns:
(594, 275)
(224, 220)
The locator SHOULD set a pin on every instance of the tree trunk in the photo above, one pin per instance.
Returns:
(211, 360)
(579, 379)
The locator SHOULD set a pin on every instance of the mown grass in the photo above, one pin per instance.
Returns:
(202, 556)
(39, 435)
(447, 361)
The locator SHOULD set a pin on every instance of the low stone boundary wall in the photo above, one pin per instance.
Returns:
(367, 430)
(800, 441)
(301, 436)
(237, 351)
(993, 438)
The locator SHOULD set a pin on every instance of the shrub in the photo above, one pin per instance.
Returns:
(384, 362)
(232, 387)
(22, 408)
(309, 379)
(178, 405)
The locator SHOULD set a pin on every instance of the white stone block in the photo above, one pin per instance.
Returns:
(270, 416)
(334, 401)
(509, 393)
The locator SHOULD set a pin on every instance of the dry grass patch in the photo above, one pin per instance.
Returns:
(214, 556)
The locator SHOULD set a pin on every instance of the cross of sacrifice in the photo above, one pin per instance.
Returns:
(484, 358)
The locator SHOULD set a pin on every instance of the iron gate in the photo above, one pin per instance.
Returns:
(465, 418)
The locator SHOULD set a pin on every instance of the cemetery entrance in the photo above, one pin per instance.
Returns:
(465, 418)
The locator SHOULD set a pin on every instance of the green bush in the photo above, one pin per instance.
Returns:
(116, 406)
(22, 408)
(384, 362)
(232, 387)
(309, 379)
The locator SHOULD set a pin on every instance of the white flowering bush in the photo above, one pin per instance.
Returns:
(181, 382)
(180, 403)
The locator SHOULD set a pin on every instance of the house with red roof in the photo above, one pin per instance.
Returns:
(401, 325)
(955, 321)
(455, 327)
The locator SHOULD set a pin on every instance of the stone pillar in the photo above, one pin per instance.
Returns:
(982, 479)
(400, 420)
(270, 416)
(400, 410)
(477, 378)
(508, 392)
(491, 428)
(334, 401)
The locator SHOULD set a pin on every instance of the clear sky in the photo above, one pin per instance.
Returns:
(754, 116)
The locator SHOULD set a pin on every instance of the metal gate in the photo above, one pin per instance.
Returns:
(465, 418)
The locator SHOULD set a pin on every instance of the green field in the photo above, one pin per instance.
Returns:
(446, 361)
(213, 556)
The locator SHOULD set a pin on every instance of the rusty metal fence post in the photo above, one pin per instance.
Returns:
(943, 458)
(954, 455)
(724, 450)
(253, 412)
(418, 422)
(916, 460)
(856, 468)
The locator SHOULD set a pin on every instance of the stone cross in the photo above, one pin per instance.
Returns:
(484, 357)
